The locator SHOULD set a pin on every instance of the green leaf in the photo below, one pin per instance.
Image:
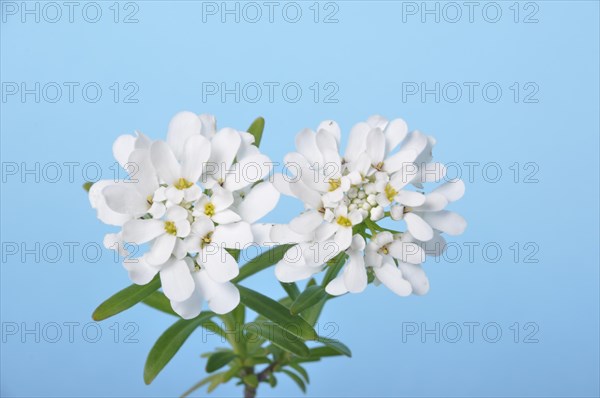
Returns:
(298, 368)
(309, 297)
(336, 345)
(256, 129)
(125, 299)
(277, 313)
(219, 359)
(279, 337)
(87, 185)
(251, 380)
(334, 267)
(159, 301)
(272, 380)
(169, 343)
(202, 382)
(323, 351)
(312, 314)
(291, 289)
(262, 261)
(296, 379)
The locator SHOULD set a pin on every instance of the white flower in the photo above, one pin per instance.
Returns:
(382, 165)
(192, 197)
(163, 233)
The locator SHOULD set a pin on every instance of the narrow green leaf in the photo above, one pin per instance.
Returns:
(262, 261)
(87, 185)
(277, 313)
(291, 289)
(279, 337)
(336, 345)
(202, 382)
(272, 380)
(125, 299)
(298, 368)
(219, 359)
(323, 351)
(256, 129)
(296, 379)
(159, 301)
(334, 267)
(309, 297)
(214, 383)
(311, 315)
(169, 343)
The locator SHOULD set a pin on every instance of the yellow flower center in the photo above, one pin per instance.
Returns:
(182, 184)
(170, 228)
(385, 250)
(209, 209)
(390, 192)
(343, 221)
(379, 166)
(149, 199)
(206, 240)
(334, 184)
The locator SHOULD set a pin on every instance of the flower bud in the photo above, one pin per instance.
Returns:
(397, 212)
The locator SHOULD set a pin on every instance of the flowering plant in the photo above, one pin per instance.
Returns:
(194, 201)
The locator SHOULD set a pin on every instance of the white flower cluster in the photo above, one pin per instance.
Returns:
(381, 174)
(190, 198)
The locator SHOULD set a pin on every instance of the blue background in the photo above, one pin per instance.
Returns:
(368, 53)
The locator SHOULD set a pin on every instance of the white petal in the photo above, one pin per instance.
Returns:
(357, 142)
(416, 276)
(202, 226)
(289, 272)
(262, 234)
(418, 227)
(395, 132)
(407, 252)
(224, 147)
(283, 234)
(176, 280)
(125, 199)
(209, 125)
(122, 148)
(183, 228)
(305, 194)
(376, 146)
(235, 236)
(446, 221)
(377, 121)
(221, 198)
(182, 126)
(410, 198)
(226, 217)
(306, 222)
(103, 212)
(431, 172)
(219, 264)
(452, 190)
(391, 277)
(192, 307)
(176, 213)
(332, 127)
(411, 148)
(258, 202)
(222, 297)
(247, 171)
(343, 238)
(306, 143)
(283, 184)
(142, 231)
(434, 201)
(329, 149)
(336, 287)
(325, 231)
(140, 272)
(161, 249)
(195, 154)
(355, 275)
(165, 163)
